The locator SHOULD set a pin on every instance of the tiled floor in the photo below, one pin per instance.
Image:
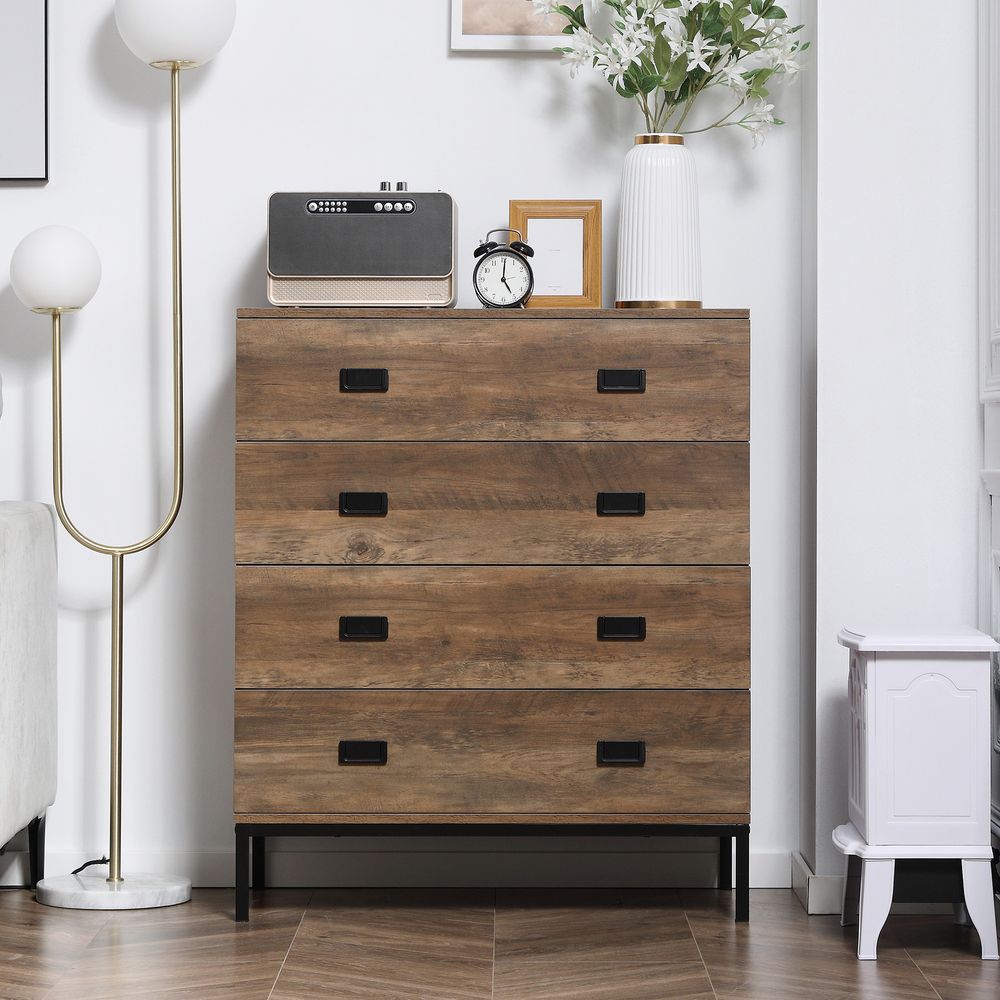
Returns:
(475, 944)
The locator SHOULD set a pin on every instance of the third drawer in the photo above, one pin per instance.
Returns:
(492, 627)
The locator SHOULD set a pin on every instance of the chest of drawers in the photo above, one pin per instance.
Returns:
(492, 572)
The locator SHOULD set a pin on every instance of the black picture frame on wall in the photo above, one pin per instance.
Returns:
(24, 90)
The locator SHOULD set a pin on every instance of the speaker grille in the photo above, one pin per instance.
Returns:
(360, 291)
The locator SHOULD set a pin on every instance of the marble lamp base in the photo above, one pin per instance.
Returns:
(94, 892)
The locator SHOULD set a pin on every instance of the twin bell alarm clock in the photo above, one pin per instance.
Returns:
(502, 277)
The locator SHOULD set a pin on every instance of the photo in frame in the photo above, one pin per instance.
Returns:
(23, 90)
(503, 26)
(566, 238)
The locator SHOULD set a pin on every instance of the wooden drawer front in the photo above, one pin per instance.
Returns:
(492, 503)
(494, 627)
(493, 379)
(492, 751)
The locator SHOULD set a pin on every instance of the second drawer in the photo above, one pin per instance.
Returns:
(493, 502)
(496, 627)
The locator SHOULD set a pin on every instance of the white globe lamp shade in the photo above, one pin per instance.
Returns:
(55, 269)
(186, 32)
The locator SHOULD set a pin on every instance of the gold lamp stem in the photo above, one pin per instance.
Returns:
(118, 552)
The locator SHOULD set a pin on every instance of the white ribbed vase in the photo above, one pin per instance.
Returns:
(659, 238)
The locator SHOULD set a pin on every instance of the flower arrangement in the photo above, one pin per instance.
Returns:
(665, 54)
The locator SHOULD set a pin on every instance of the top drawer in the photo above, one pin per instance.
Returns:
(483, 377)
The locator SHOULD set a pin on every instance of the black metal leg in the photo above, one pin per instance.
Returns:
(742, 874)
(242, 874)
(725, 862)
(259, 861)
(36, 851)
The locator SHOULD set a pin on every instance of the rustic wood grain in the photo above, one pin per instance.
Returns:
(492, 751)
(458, 820)
(484, 379)
(495, 627)
(492, 503)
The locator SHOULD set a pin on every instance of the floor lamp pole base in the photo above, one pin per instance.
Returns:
(95, 892)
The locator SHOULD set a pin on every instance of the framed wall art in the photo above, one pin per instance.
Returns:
(566, 238)
(24, 90)
(502, 25)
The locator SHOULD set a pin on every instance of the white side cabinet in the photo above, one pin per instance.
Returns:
(920, 747)
(919, 769)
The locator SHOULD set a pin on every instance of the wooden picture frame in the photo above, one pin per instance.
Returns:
(24, 95)
(569, 291)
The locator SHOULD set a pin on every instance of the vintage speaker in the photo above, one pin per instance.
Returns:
(349, 248)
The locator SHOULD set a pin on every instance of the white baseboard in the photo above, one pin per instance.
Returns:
(357, 862)
(816, 893)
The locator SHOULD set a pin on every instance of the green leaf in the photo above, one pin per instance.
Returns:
(677, 75)
(569, 30)
(775, 14)
(662, 55)
(649, 83)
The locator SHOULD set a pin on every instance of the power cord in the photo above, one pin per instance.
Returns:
(87, 864)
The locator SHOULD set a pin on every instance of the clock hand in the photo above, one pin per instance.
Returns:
(509, 289)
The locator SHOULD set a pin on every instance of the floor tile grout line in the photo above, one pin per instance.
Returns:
(493, 964)
(906, 952)
(76, 961)
(298, 927)
(704, 964)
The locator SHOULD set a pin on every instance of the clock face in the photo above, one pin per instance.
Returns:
(503, 278)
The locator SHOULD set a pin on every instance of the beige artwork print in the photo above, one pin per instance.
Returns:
(507, 17)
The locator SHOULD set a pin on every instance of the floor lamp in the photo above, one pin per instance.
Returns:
(56, 270)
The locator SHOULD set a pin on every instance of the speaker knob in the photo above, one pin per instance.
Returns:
(385, 186)
(400, 185)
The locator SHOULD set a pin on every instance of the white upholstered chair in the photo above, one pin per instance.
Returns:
(27, 673)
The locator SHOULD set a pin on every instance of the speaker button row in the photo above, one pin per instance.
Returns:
(394, 206)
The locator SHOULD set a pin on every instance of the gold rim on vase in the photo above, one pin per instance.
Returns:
(659, 138)
(658, 304)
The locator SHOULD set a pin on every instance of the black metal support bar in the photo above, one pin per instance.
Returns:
(742, 874)
(725, 863)
(36, 851)
(725, 833)
(258, 857)
(242, 872)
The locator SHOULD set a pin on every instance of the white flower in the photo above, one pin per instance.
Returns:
(780, 52)
(689, 5)
(725, 3)
(545, 7)
(674, 29)
(636, 31)
(759, 121)
(732, 78)
(583, 48)
(615, 60)
(699, 53)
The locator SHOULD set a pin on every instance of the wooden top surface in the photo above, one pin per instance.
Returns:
(311, 312)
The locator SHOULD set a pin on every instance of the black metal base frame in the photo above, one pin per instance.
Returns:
(251, 865)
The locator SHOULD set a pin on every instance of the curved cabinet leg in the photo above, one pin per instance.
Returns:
(876, 898)
(977, 880)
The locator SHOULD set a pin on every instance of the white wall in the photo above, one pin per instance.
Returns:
(318, 94)
(898, 424)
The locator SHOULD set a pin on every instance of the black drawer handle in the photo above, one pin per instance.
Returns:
(364, 628)
(621, 379)
(611, 629)
(621, 753)
(621, 504)
(364, 379)
(362, 752)
(364, 504)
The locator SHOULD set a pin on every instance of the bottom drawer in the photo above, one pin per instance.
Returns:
(492, 752)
